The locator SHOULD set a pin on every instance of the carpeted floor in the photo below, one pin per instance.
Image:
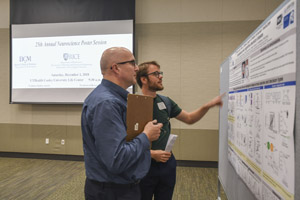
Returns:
(34, 179)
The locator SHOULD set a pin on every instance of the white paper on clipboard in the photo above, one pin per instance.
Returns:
(171, 142)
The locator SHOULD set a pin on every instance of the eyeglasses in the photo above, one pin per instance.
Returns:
(156, 73)
(132, 62)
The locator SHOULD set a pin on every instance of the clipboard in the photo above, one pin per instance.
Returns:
(139, 113)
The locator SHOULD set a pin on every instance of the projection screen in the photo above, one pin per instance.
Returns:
(59, 63)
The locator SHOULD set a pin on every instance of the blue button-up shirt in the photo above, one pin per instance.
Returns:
(107, 155)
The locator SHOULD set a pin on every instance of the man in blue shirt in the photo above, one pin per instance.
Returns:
(161, 178)
(114, 167)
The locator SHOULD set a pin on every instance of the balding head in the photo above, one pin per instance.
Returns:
(113, 55)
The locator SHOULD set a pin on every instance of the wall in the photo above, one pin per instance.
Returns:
(189, 38)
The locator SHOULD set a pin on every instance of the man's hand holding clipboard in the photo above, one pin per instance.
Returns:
(139, 117)
(152, 130)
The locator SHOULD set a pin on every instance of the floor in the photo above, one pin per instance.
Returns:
(27, 179)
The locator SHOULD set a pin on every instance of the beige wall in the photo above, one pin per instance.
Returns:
(189, 38)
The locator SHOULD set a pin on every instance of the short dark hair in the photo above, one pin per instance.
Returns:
(143, 71)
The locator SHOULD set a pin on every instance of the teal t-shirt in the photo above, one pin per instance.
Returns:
(160, 113)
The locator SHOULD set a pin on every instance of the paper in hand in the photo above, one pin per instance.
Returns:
(171, 142)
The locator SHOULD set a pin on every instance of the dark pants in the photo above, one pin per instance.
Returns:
(109, 191)
(160, 180)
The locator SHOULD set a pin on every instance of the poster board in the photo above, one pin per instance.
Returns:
(235, 184)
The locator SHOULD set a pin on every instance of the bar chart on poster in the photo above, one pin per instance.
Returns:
(257, 125)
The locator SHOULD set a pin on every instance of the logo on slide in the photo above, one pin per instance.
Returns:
(68, 56)
(25, 59)
(65, 56)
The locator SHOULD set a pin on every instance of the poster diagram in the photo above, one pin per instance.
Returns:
(261, 107)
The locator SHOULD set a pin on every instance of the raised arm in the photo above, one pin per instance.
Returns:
(196, 115)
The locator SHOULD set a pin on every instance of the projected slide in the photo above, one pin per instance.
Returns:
(60, 62)
(261, 107)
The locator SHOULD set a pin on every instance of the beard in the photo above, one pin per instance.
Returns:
(155, 87)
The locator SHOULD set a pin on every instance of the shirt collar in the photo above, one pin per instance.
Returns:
(116, 88)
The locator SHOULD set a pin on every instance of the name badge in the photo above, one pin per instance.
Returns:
(161, 106)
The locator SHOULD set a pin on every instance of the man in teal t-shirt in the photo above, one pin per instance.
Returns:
(161, 178)
(163, 117)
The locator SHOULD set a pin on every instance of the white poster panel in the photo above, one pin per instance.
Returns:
(261, 107)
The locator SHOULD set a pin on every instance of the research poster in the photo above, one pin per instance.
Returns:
(261, 107)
